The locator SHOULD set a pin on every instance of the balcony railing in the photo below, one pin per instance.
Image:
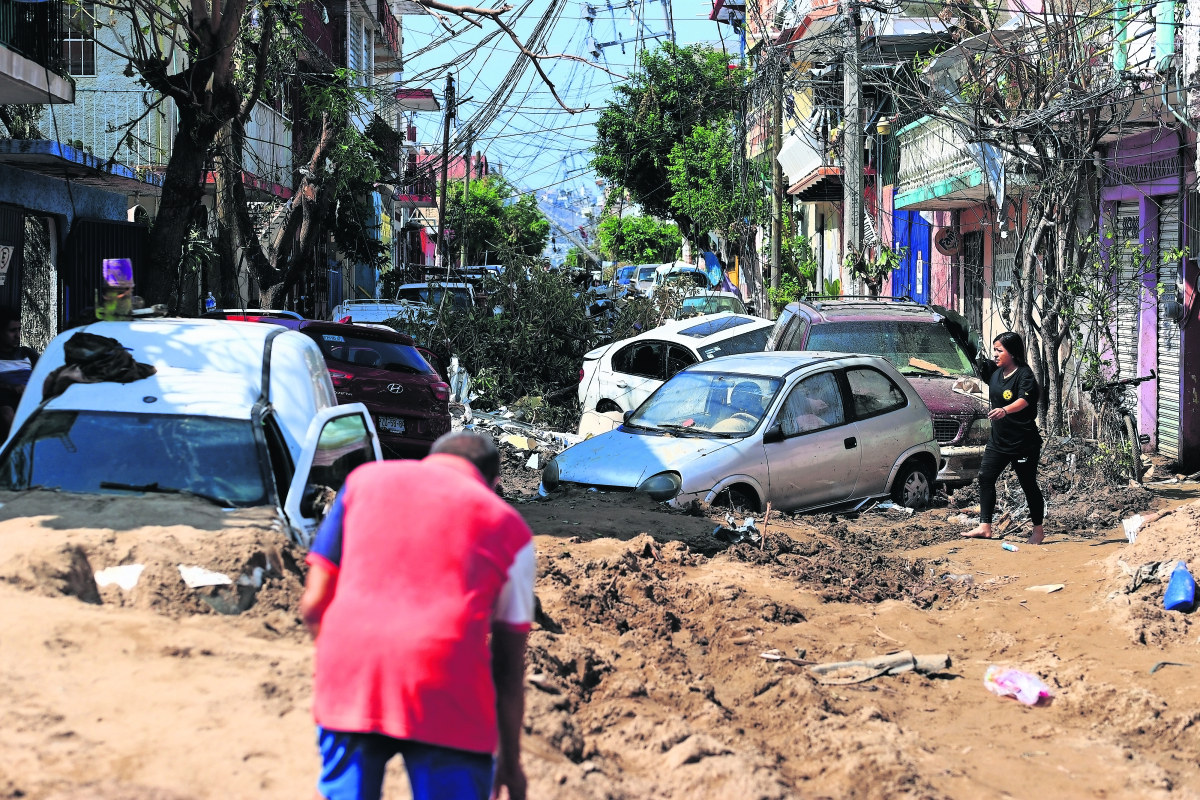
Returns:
(102, 122)
(932, 151)
(35, 30)
(387, 25)
(268, 153)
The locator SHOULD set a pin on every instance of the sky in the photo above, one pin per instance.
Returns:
(541, 146)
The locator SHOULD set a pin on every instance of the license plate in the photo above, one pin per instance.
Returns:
(390, 424)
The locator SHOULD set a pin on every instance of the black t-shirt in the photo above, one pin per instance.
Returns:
(1016, 432)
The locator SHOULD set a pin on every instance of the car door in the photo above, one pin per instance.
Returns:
(876, 404)
(817, 461)
(637, 370)
(339, 439)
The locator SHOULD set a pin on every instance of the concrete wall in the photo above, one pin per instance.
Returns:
(42, 195)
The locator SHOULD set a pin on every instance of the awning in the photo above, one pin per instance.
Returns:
(58, 160)
(823, 184)
(797, 156)
(417, 100)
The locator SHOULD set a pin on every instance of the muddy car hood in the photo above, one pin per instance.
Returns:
(621, 458)
(941, 399)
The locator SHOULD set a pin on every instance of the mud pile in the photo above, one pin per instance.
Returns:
(646, 681)
(87, 534)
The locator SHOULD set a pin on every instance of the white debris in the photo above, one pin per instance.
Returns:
(253, 579)
(125, 576)
(197, 577)
(533, 462)
(1132, 526)
(594, 423)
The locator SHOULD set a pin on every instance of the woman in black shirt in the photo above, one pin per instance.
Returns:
(1015, 438)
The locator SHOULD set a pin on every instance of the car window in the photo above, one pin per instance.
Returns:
(795, 336)
(751, 342)
(100, 452)
(782, 332)
(693, 306)
(646, 274)
(678, 358)
(644, 359)
(343, 445)
(873, 393)
(915, 348)
(344, 348)
(708, 403)
(815, 404)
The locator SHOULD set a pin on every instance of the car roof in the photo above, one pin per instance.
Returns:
(672, 330)
(775, 363)
(379, 333)
(209, 364)
(866, 309)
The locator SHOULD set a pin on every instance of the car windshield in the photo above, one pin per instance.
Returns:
(754, 341)
(646, 273)
(625, 273)
(101, 452)
(697, 306)
(460, 298)
(916, 348)
(712, 403)
(686, 280)
(342, 348)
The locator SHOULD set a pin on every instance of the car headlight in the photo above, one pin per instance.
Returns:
(979, 432)
(663, 486)
(550, 478)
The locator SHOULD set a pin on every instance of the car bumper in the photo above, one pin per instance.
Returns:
(960, 465)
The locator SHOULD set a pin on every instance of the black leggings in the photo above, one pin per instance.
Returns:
(1025, 465)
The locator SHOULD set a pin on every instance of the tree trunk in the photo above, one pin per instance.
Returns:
(182, 191)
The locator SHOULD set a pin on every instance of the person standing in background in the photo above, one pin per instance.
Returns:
(16, 362)
(1015, 439)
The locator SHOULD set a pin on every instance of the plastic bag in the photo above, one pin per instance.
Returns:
(1021, 686)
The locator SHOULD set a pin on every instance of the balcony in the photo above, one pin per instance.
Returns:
(387, 41)
(99, 124)
(268, 152)
(940, 170)
(418, 191)
(31, 41)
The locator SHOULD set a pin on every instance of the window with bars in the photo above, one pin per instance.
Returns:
(79, 44)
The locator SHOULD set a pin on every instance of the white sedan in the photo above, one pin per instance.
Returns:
(621, 375)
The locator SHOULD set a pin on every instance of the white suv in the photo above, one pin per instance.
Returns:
(619, 376)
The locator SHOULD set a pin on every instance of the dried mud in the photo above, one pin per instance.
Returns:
(645, 675)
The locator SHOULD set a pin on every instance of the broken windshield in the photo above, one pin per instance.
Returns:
(708, 403)
(96, 452)
(915, 348)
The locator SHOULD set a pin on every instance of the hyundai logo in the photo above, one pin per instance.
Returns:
(395, 388)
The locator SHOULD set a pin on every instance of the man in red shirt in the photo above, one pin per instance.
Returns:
(416, 564)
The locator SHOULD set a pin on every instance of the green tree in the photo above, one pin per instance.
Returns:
(676, 90)
(494, 219)
(703, 184)
(638, 240)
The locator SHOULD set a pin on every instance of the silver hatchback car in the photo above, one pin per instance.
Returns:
(802, 431)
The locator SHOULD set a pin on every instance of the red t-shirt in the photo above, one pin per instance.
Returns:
(427, 558)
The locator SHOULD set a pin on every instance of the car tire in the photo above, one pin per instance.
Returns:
(913, 486)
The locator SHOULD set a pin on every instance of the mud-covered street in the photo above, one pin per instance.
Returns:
(646, 675)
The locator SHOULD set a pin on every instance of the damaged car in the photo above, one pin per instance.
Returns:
(236, 413)
(802, 431)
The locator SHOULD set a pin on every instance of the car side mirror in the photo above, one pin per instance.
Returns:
(625, 417)
(316, 500)
(773, 434)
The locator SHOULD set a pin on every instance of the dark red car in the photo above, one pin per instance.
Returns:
(386, 372)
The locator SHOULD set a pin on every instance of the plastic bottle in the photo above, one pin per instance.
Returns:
(1181, 590)
(1012, 548)
(210, 302)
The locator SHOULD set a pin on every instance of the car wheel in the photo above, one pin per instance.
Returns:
(913, 487)
(736, 499)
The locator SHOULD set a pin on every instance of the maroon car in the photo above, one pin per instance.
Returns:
(386, 372)
(923, 343)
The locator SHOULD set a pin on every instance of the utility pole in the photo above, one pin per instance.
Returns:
(776, 186)
(852, 153)
(462, 259)
(443, 250)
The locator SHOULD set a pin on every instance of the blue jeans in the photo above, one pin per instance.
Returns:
(353, 765)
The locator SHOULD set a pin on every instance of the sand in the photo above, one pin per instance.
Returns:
(645, 675)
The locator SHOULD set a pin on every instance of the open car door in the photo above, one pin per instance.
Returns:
(339, 439)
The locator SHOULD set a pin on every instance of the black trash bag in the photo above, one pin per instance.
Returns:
(94, 359)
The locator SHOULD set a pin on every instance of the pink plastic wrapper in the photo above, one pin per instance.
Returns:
(1021, 686)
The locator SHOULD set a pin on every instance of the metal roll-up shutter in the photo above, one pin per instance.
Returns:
(1168, 333)
(1129, 227)
(80, 262)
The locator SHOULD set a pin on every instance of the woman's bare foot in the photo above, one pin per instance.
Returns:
(1039, 533)
(984, 531)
